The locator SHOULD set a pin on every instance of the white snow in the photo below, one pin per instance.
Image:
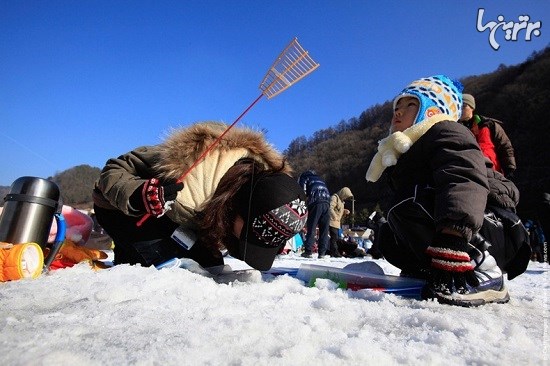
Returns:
(130, 315)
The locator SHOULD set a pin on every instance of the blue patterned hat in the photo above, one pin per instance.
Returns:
(436, 94)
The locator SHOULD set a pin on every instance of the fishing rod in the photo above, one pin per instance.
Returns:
(293, 64)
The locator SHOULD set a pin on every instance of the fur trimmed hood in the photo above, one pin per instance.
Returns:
(184, 146)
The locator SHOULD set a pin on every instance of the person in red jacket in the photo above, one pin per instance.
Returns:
(490, 136)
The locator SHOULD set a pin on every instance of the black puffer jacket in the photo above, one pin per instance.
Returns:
(503, 192)
(448, 160)
(315, 188)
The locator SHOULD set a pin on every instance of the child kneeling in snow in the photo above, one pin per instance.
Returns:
(440, 180)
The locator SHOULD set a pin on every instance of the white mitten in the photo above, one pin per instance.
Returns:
(245, 275)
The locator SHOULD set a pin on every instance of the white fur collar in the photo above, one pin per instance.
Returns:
(391, 147)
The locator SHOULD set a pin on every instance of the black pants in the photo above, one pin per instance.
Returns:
(334, 236)
(404, 238)
(374, 250)
(410, 230)
(150, 243)
(318, 216)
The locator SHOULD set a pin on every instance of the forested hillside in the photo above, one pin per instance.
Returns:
(517, 95)
(75, 184)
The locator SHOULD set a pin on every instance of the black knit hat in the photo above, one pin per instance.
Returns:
(274, 210)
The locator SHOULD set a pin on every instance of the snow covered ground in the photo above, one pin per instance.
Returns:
(130, 315)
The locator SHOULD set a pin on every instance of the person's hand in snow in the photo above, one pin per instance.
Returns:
(220, 274)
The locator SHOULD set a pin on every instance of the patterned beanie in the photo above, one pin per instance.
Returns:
(436, 94)
(274, 210)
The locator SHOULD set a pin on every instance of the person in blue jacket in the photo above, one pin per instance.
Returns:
(318, 206)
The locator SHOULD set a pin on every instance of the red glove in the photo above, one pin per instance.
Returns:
(452, 269)
(154, 198)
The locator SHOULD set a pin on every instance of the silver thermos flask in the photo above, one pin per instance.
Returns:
(29, 210)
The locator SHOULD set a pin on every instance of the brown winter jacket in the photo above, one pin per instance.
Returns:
(170, 160)
(337, 206)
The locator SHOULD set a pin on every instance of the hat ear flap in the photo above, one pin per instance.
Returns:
(421, 103)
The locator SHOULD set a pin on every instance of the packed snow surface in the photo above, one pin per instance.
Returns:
(131, 315)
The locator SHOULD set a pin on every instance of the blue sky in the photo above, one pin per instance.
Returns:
(83, 81)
